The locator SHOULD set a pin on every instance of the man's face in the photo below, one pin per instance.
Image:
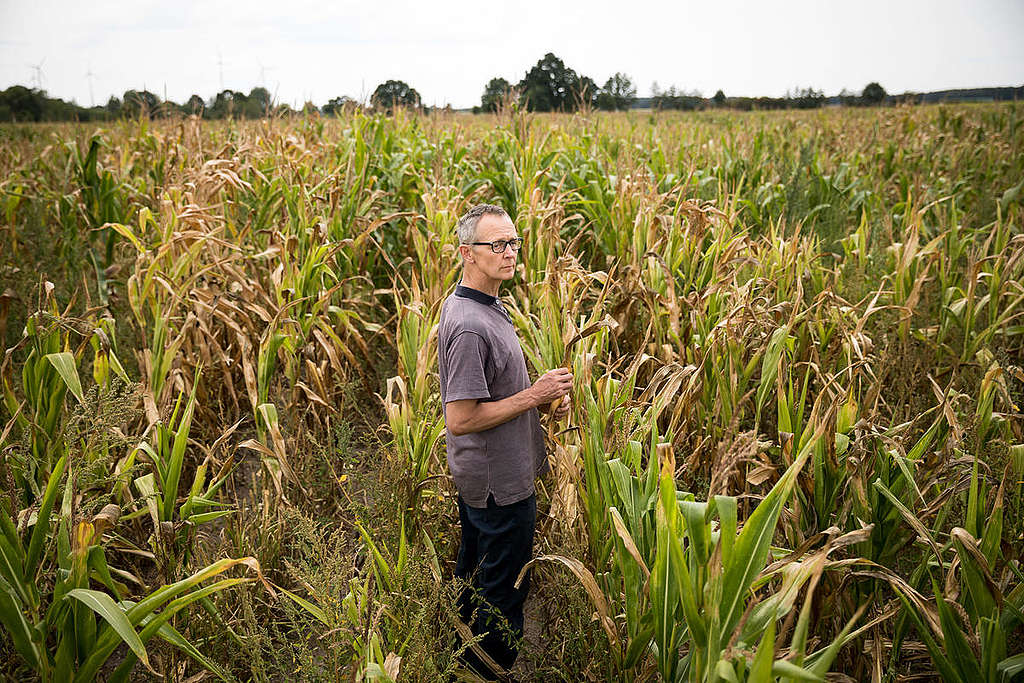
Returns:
(495, 266)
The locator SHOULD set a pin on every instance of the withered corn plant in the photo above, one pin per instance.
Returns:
(795, 447)
(64, 603)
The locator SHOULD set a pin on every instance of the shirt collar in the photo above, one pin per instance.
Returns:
(475, 294)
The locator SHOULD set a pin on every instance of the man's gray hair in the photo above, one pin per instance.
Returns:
(467, 224)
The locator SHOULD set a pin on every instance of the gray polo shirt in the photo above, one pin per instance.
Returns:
(479, 357)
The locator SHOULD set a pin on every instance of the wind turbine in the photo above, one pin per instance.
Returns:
(90, 76)
(220, 66)
(38, 73)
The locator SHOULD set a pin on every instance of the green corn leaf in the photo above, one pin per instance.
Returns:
(42, 527)
(12, 568)
(64, 363)
(663, 598)
(313, 610)
(197, 486)
(128, 234)
(924, 442)
(1011, 667)
(754, 541)
(935, 651)
(625, 487)
(108, 639)
(761, 667)
(146, 486)
(17, 626)
(183, 601)
(992, 535)
(725, 671)
(993, 647)
(798, 642)
(177, 459)
(787, 670)
(959, 650)
(204, 517)
(172, 636)
(100, 571)
(383, 569)
(637, 647)
(696, 529)
(1010, 195)
(688, 593)
(983, 590)
(973, 502)
(66, 656)
(118, 368)
(908, 475)
(157, 625)
(103, 605)
(909, 517)
(770, 366)
(727, 511)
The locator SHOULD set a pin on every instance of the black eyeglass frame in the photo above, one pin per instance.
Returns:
(516, 245)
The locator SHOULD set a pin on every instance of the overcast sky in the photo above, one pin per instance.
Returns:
(449, 49)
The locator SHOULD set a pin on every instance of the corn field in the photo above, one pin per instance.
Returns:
(795, 449)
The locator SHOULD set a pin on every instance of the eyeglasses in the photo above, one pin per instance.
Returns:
(498, 246)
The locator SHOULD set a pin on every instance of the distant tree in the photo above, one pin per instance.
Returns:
(675, 98)
(496, 92)
(618, 93)
(552, 86)
(22, 104)
(137, 103)
(873, 94)
(719, 98)
(114, 105)
(805, 98)
(765, 103)
(224, 103)
(257, 103)
(195, 105)
(240, 104)
(309, 109)
(336, 105)
(392, 94)
(847, 98)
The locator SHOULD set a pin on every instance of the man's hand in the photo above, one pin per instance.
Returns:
(552, 385)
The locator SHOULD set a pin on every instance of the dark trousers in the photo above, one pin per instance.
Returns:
(497, 541)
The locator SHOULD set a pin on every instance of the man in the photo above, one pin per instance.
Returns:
(495, 442)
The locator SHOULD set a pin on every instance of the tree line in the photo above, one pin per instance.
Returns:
(19, 103)
(550, 85)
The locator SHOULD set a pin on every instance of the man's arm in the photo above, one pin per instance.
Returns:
(469, 416)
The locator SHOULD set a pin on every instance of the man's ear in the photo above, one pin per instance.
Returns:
(467, 253)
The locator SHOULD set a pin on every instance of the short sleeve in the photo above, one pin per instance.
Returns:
(466, 359)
